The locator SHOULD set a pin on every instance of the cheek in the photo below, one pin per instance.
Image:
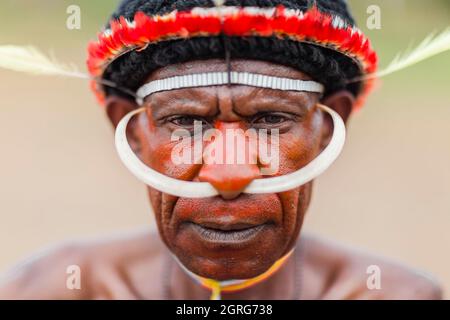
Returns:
(156, 152)
(163, 205)
(300, 145)
(155, 198)
(297, 148)
(295, 204)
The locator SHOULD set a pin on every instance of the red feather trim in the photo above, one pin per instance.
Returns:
(312, 26)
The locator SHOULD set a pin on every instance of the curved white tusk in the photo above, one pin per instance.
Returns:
(313, 169)
(189, 189)
(153, 178)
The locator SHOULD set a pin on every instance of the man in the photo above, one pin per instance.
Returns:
(227, 230)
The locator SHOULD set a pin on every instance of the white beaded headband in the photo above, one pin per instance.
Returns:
(224, 78)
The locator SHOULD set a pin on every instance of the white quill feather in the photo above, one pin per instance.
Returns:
(432, 45)
(31, 60)
(219, 3)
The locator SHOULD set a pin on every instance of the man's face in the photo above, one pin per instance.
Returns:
(242, 235)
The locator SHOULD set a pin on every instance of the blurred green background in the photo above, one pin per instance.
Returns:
(60, 177)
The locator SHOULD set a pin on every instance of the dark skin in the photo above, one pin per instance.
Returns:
(123, 267)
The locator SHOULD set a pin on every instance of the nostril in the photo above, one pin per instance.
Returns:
(230, 195)
(229, 180)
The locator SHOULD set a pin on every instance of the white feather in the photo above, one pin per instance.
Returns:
(432, 45)
(31, 60)
(219, 3)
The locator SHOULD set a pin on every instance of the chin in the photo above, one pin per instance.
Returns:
(228, 268)
(232, 256)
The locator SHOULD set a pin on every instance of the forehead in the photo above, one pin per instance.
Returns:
(219, 65)
(238, 93)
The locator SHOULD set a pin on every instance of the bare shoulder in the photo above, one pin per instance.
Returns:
(343, 272)
(108, 268)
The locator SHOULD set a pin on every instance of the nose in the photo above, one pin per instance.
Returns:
(230, 160)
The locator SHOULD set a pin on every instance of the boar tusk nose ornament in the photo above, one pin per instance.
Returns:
(190, 189)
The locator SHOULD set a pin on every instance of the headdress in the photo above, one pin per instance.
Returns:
(312, 26)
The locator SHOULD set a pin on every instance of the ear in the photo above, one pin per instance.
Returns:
(342, 102)
(116, 109)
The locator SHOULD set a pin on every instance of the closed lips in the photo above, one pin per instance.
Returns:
(234, 233)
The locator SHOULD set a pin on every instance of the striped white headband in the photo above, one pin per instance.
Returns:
(224, 78)
(190, 189)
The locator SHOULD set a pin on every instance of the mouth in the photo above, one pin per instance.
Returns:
(218, 233)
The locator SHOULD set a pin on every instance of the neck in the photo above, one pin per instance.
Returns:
(277, 282)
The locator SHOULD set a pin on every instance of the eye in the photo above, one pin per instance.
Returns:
(183, 121)
(271, 119)
(187, 121)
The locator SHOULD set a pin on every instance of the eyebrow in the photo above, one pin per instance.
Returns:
(290, 101)
(183, 101)
(198, 101)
